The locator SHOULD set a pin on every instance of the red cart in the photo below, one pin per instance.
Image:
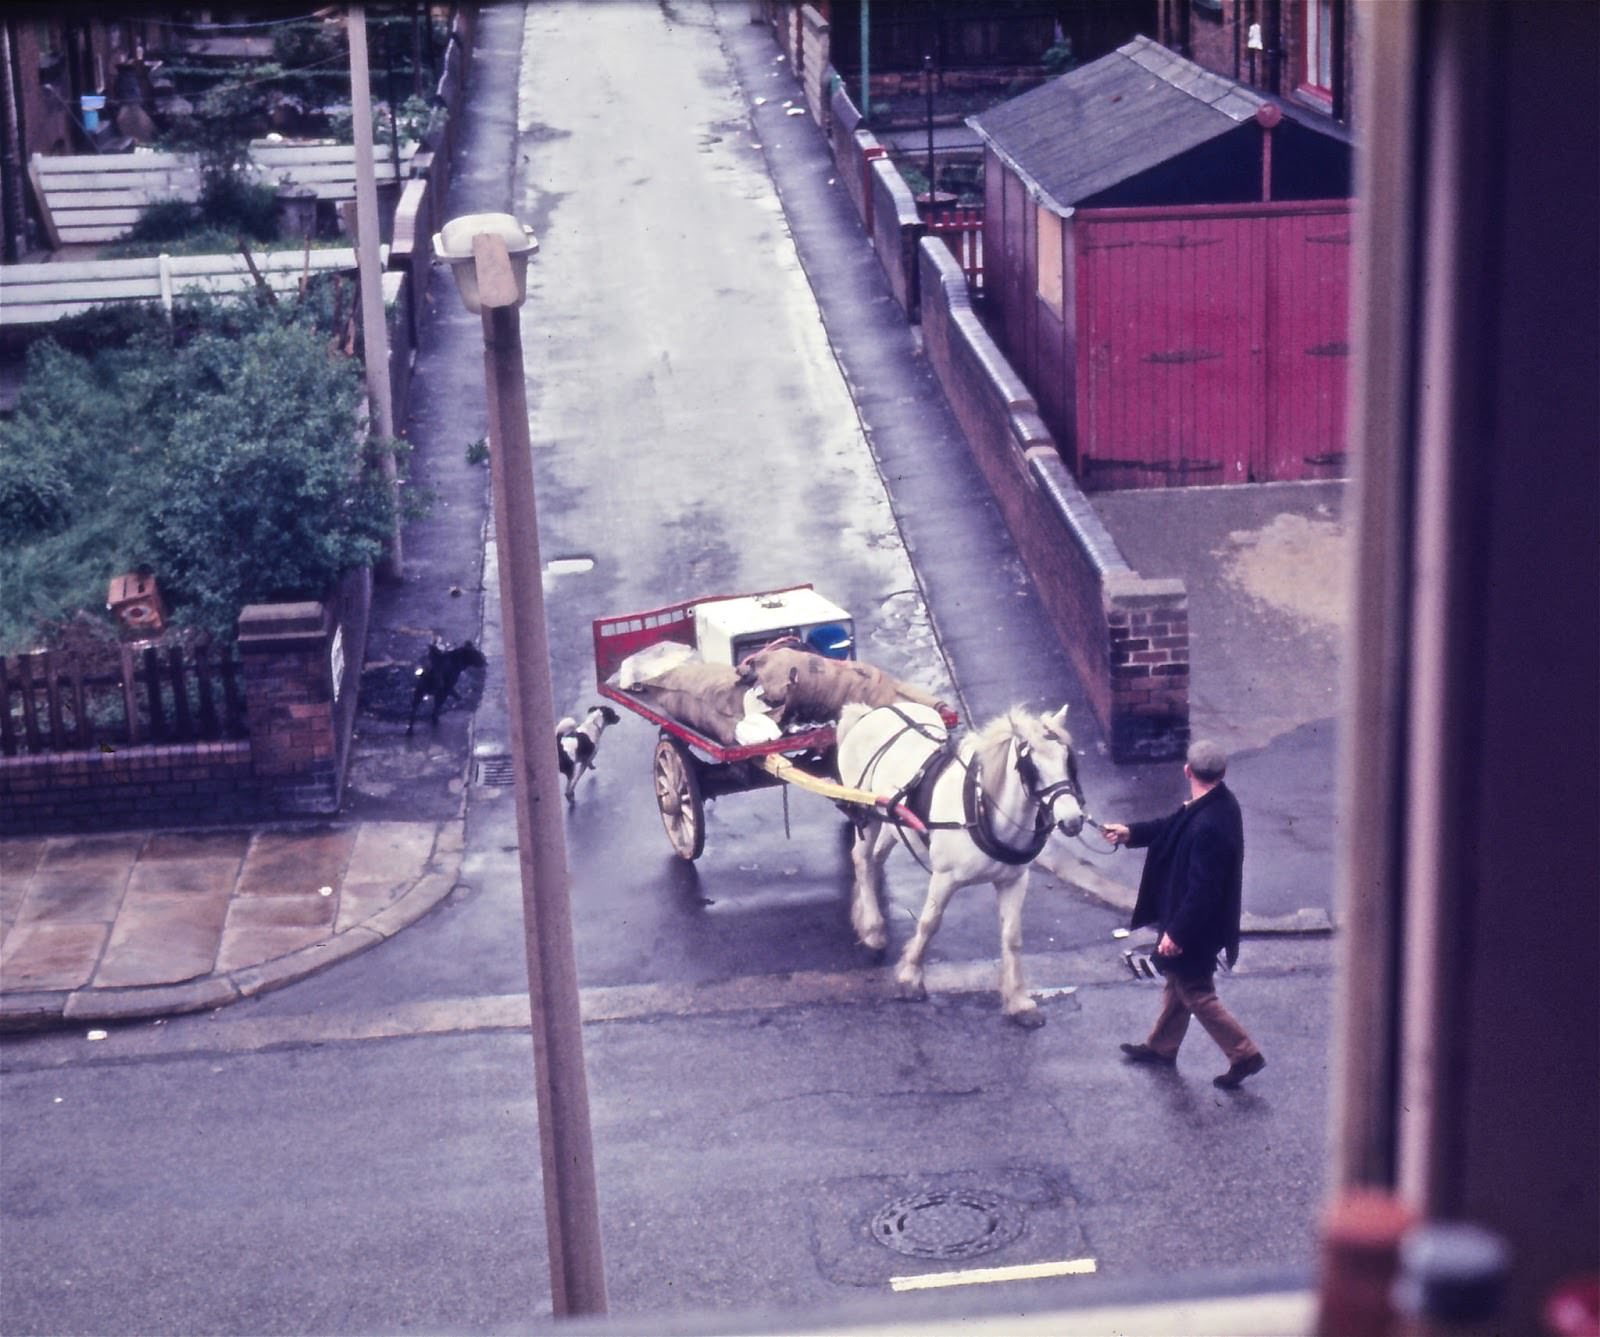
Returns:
(690, 768)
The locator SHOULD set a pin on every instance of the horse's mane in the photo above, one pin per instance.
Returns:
(990, 741)
(1001, 727)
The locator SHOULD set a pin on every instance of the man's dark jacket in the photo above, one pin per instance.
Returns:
(1193, 879)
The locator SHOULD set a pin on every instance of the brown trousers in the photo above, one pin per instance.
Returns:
(1197, 996)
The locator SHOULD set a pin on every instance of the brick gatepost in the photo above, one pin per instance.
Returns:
(289, 654)
(1148, 624)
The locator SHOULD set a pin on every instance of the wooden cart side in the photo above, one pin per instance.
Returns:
(617, 637)
(620, 635)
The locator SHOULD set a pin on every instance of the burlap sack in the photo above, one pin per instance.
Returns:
(812, 689)
(709, 698)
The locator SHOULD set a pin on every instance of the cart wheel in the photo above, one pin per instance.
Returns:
(683, 812)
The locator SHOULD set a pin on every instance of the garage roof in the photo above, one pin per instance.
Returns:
(1117, 117)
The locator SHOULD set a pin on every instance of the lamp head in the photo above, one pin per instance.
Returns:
(453, 244)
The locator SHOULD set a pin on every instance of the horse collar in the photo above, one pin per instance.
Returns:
(979, 823)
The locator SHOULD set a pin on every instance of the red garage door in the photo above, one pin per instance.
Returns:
(1212, 343)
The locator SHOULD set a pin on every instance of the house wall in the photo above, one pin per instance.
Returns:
(1217, 37)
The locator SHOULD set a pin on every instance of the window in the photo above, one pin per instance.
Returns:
(1050, 259)
(1318, 57)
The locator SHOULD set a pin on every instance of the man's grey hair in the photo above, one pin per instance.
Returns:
(1208, 761)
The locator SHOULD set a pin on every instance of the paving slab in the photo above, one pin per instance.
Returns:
(230, 844)
(199, 877)
(163, 938)
(50, 956)
(72, 895)
(84, 851)
(285, 862)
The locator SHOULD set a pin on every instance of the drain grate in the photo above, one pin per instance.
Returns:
(955, 1223)
(495, 771)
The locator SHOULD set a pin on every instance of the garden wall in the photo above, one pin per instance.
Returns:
(896, 230)
(1127, 636)
(298, 667)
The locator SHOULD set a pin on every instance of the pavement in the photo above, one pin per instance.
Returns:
(121, 925)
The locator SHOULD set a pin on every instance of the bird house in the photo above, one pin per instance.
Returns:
(135, 602)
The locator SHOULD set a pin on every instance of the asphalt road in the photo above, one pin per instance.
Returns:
(358, 1153)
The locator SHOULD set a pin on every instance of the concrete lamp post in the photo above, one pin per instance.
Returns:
(488, 254)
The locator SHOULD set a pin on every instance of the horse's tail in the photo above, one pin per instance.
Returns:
(848, 715)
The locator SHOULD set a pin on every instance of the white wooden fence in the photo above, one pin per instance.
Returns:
(92, 199)
(35, 294)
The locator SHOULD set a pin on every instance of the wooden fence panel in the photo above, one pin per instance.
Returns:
(52, 702)
(961, 229)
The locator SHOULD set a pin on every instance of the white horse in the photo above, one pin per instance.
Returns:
(988, 804)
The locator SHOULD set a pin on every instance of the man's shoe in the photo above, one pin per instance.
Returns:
(1142, 1053)
(1237, 1072)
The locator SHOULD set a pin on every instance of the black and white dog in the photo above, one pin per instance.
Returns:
(577, 744)
(437, 675)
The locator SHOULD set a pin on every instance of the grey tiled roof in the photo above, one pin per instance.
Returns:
(1115, 118)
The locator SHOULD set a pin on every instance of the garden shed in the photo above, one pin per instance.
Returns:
(1167, 258)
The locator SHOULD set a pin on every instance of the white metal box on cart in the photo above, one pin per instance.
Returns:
(726, 630)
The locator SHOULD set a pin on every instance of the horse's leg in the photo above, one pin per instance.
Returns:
(908, 974)
(866, 908)
(1014, 999)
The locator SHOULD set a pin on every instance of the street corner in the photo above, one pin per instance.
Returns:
(190, 934)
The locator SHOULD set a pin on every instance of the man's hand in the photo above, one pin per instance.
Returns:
(1166, 947)
(1115, 833)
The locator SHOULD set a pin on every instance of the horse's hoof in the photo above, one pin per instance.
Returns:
(913, 991)
(1030, 1019)
(877, 941)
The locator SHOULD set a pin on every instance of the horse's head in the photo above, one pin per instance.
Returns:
(1047, 768)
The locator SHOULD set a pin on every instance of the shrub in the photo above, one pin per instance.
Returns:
(163, 220)
(223, 453)
(229, 203)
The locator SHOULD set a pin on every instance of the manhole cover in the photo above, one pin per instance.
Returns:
(955, 1223)
(496, 771)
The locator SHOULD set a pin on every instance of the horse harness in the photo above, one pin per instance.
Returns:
(977, 816)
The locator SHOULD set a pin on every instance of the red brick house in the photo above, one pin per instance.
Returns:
(1303, 50)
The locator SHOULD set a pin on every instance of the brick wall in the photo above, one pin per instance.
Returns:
(1127, 636)
(854, 151)
(814, 67)
(299, 672)
(896, 229)
(176, 784)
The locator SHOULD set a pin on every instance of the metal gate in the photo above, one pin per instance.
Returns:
(1212, 343)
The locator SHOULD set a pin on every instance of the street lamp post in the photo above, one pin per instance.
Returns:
(488, 254)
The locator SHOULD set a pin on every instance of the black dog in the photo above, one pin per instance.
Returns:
(576, 744)
(437, 677)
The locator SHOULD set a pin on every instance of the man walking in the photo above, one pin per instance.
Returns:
(1191, 890)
